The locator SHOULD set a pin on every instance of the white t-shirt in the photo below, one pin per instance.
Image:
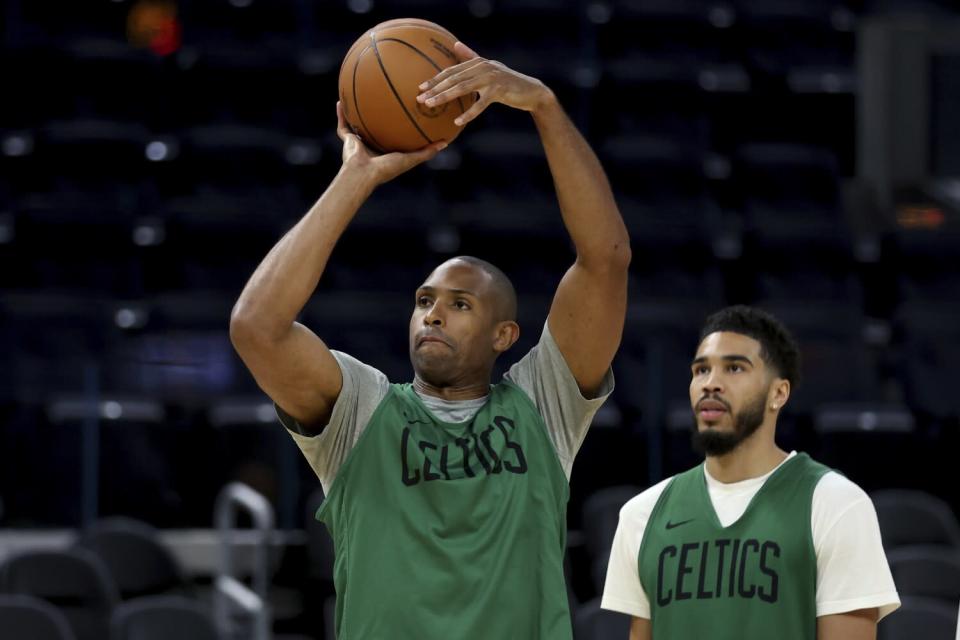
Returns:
(852, 569)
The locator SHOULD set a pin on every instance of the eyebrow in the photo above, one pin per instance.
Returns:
(730, 358)
(429, 289)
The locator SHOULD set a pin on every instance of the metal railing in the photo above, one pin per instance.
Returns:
(243, 611)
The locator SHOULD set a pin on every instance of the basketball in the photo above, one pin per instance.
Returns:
(379, 81)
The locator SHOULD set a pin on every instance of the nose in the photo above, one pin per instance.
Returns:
(712, 384)
(434, 315)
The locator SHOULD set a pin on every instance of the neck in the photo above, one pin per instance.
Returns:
(756, 456)
(454, 392)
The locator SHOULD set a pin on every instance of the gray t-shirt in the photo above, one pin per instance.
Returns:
(543, 374)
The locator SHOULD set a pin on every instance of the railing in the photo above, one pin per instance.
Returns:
(243, 611)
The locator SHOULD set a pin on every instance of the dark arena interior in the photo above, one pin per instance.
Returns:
(802, 156)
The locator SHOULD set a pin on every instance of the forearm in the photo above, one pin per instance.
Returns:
(286, 278)
(587, 204)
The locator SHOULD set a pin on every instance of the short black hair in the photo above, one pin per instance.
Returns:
(778, 347)
(502, 286)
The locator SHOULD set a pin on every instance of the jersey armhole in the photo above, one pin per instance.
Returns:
(335, 485)
(646, 538)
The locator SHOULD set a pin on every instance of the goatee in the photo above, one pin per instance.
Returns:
(717, 443)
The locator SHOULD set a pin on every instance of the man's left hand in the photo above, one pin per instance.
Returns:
(491, 80)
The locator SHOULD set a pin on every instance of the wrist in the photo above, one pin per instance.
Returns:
(547, 104)
(361, 180)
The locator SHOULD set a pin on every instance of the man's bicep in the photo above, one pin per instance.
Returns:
(298, 372)
(586, 320)
(852, 625)
(640, 629)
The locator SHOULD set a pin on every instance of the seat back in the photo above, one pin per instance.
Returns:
(160, 618)
(134, 555)
(29, 618)
(916, 618)
(73, 580)
(910, 517)
(926, 571)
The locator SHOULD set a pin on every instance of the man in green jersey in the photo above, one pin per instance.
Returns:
(754, 543)
(446, 497)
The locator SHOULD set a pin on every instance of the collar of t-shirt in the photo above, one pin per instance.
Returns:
(731, 499)
(452, 410)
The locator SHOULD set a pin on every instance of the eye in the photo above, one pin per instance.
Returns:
(701, 370)
(463, 305)
(735, 368)
(423, 301)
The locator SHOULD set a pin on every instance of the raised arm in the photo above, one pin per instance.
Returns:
(589, 308)
(289, 362)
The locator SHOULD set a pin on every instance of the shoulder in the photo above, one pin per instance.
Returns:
(349, 364)
(639, 508)
(544, 369)
(840, 508)
(836, 493)
(528, 363)
(359, 377)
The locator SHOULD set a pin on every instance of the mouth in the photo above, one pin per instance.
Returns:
(711, 415)
(424, 340)
(711, 410)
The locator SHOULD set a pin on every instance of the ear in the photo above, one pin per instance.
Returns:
(505, 335)
(779, 394)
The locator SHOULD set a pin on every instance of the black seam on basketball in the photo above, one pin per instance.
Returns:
(437, 29)
(425, 57)
(413, 121)
(356, 105)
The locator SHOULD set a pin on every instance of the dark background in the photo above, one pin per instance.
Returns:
(145, 174)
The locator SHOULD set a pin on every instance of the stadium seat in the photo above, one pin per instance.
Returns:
(920, 618)
(911, 517)
(135, 556)
(29, 618)
(75, 581)
(930, 345)
(601, 514)
(162, 617)
(926, 571)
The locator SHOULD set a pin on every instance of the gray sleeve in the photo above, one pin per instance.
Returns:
(544, 375)
(363, 389)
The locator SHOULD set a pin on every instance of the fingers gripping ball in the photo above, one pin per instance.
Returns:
(379, 82)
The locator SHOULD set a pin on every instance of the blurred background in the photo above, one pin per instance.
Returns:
(799, 155)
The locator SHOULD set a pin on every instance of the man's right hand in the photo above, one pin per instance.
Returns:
(379, 168)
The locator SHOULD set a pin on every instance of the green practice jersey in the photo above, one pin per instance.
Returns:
(450, 531)
(755, 579)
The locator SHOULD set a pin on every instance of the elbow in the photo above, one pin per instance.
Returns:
(621, 254)
(612, 259)
(248, 329)
(616, 256)
(242, 328)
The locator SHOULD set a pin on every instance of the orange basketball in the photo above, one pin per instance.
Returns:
(379, 82)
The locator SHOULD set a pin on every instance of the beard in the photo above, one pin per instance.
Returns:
(745, 423)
